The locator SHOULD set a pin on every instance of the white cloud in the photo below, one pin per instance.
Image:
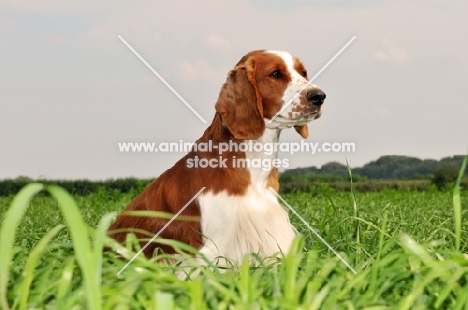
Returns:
(9, 25)
(217, 43)
(391, 52)
(377, 113)
(192, 71)
(143, 36)
(144, 30)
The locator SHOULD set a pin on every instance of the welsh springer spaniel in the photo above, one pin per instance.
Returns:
(238, 214)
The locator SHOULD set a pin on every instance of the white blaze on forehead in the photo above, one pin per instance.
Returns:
(289, 117)
(287, 58)
(289, 61)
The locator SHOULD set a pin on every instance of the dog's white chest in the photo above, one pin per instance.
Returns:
(233, 226)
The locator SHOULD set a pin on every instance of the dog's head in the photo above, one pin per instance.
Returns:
(262, 84)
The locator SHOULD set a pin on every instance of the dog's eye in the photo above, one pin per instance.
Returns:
(276, 74)
(304, 73)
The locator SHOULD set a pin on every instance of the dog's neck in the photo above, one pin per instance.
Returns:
(259, 175)
(269, 140)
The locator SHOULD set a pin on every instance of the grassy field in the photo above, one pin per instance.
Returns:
(408, 249)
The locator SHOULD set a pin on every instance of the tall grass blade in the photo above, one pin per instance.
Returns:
(320, 297)
(100, 235)
(7, 234)
(65, 281)
(163, 301)
(457, 205)
(81, 245)
(34, 257)
(356, 209)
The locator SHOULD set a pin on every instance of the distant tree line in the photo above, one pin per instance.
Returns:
(387, 172)
(391, 167)
(11, 187)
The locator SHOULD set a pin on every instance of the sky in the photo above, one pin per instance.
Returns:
(70, 90)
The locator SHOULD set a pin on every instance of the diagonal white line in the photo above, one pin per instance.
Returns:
(161, 230)
(314, 231)
(312, 79)
(162, 79)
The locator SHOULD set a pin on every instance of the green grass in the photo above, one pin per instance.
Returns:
(408, 248)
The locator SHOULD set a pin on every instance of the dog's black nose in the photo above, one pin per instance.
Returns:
(316, 97)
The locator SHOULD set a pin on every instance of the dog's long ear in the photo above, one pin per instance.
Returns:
(302, 130)
(240, 104)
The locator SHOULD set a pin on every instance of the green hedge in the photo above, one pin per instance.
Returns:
(288, 184)
(11, 187)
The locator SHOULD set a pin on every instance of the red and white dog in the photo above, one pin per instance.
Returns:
(238, 214)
